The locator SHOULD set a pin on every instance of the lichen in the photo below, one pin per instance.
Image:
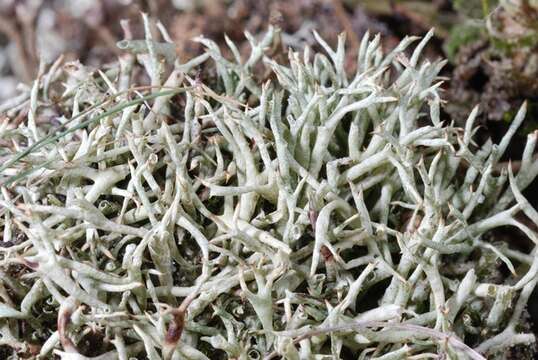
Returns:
(312, 215)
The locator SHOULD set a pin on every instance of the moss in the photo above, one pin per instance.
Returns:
(460, 36)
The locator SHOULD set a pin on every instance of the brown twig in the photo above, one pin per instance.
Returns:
(27, 13)
(10, 30)
(343, 16)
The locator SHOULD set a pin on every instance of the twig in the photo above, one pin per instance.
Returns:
(342, 15)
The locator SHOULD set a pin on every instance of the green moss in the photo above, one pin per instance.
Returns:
(462, 35)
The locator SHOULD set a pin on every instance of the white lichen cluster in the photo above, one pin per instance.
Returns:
(308, 216)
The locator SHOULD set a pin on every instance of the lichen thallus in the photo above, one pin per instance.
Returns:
(297, 218)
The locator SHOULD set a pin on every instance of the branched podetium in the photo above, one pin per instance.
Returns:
(173, 220)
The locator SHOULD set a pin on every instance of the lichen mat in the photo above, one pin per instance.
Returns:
(164, 215)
